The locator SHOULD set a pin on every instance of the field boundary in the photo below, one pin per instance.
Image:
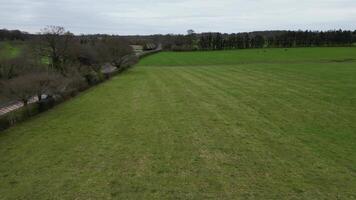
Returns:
(13, 112)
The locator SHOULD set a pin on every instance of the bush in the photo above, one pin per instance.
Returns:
(46, 104)
(76, 84)
(93, 78)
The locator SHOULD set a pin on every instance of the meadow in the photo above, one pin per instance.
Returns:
(13, 49)
(244, 124)
(9, 50)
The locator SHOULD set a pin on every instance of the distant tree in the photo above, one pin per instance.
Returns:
(13, 35)
(190, 32)
(113, 50)
(259, 41)
(10, 68)
(47, 83)
(89, 55)
(56, 41)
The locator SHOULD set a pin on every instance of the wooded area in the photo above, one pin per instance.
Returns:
(262, 39)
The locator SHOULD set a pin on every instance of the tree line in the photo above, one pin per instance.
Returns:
(13, 35)
(262, 39)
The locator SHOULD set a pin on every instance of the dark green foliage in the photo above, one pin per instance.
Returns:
(272, 39)
(217, 41)
(13, 35)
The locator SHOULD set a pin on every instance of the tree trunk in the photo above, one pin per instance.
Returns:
(25, 103)
(39, 96)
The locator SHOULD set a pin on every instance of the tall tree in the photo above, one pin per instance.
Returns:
(56, 42)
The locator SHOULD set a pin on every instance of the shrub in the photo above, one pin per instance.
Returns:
(93, 78)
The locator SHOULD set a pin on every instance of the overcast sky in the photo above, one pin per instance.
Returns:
(177, 16)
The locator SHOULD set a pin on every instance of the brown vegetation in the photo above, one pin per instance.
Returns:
(73, 64)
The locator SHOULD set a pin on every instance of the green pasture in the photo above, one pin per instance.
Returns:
(244, 124)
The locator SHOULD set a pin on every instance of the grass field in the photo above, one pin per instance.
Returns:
(249, 124)
(9, 50)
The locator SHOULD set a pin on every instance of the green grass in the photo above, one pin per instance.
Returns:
(9, 50)
(208, 58)
(197, 129)
(45, 60)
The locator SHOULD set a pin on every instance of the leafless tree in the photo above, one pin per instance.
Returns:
(190, 32)
(10, 68)
(56, 46)
(113, 49)
(93, 56)
(38, 82)
(90, 58)
(20, 88)
(48, 83)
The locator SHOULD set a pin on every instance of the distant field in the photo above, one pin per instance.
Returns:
(245, 124)
(9, 50)
(277, 55)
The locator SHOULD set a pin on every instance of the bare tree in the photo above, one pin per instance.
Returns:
(38, 82)
(47, 83)
(89, 56)
(56, 46)
(190, 32)
(21, 88)
(94, 56)
(113, 50)
(10, 68)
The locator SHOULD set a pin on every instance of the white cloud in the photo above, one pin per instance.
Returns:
(176, 16)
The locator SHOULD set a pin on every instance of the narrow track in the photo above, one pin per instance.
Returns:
(16, 105)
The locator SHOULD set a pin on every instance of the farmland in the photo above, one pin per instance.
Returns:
(248, 124)
(9, 50)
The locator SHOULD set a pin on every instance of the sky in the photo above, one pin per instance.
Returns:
(131, 17)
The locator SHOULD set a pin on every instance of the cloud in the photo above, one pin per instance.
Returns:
(176, 16)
